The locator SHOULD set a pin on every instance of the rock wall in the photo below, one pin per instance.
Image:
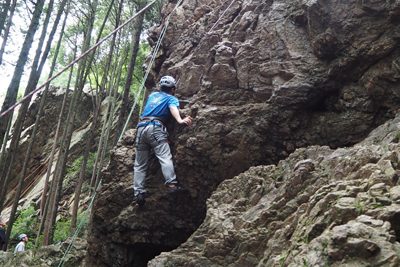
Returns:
(318, 207)
(48, 256)
(45, 135)
(260, 79)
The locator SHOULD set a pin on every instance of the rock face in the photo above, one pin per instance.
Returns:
(45, 136)
(261, 79)
(47, 256)
(319, 207)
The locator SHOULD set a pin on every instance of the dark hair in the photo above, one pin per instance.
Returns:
(166, 89)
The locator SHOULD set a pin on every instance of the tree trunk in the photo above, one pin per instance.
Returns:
(44, 205)
(31, 85)
(7, 31)
(92, 129)
(61, 115)
(104, 135)
(12, 90)
(3, 14)
(12, 94)
(131, 67)
(52, 203)
(4, 144)
(51, 213)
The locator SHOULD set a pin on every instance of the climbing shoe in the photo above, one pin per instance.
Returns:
(174, 189)
(140, 199)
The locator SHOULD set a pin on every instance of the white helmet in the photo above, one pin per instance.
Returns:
(21, 236)
(167, 81)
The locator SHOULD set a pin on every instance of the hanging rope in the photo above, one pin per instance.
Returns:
(75, 61)
(149, 67)
(221, 16)
(45, 162)
(32, 183)
(122, 132)
(62, 261)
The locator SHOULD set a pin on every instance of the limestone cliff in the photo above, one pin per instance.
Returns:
(261, 79)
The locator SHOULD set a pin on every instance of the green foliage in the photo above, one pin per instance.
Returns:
(19, 96)
(77, 165)
(377, 205)
(282, 259)
(306, 240)
(62, 229)
(305, 263)
(359, 207)
(25, 224)
(324, 245)
(21, 92)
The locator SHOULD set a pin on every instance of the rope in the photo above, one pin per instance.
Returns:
(75, 61)
(149, 67)
(28, 176)
(44, 162)
(87, 122)
(32, 183)
(62, 261)
(37, 178)
(44, 169)
(122, 132)
(221, 16)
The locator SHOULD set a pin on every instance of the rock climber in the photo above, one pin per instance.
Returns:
(152, 134)
(3, 237)
(23, 239)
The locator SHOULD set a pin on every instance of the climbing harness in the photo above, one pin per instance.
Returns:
(155, 121)
(152, 119)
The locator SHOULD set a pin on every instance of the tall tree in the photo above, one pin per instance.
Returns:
(57, 176)
(3, 14)
(44, 205)
(7, 30)
(34, 77)
(92, 128)
(113, 88)
(61, 115)
(12, 90)
(131, 68)
(4, 144)
(52, 203)
(83, 71)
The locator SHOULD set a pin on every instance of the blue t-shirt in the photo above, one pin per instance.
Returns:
(158, 105)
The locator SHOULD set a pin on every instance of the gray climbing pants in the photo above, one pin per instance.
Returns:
(152, 137)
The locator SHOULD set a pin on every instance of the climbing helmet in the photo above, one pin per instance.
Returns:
(167, 81)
